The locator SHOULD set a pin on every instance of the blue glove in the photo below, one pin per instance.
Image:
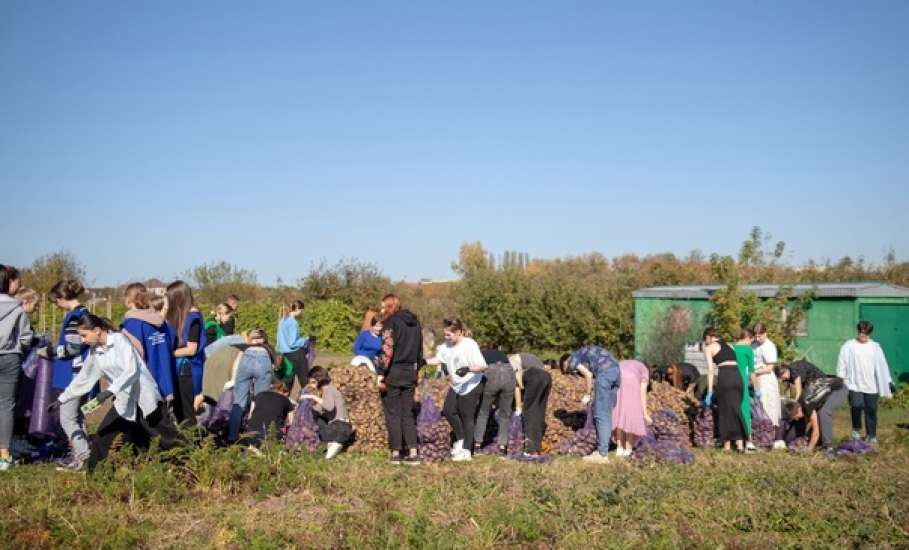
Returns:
(709, 399)
(757, 393)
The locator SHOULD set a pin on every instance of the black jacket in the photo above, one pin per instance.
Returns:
(402, 341)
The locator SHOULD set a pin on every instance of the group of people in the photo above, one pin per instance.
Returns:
(154, 364)
(391, 345)
(161, 370)
(751, 366)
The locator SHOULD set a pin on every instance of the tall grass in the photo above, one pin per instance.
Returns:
(208, 497)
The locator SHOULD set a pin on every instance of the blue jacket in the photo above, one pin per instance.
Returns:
(367, 344)
(289, 339)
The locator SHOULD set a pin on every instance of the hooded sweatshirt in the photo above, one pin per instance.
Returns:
(15, 329)
(402, 342)
(148, 333)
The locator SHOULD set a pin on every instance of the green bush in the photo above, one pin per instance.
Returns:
(333, 323)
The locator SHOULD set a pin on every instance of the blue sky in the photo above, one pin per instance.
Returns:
(148, 137)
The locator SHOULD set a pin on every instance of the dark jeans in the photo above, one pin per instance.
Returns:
(139, 432)
(867, 403)
(397, 403)
(461, 413)
(498, 390)
(537, 384)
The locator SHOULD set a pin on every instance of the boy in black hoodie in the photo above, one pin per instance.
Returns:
(397, 364)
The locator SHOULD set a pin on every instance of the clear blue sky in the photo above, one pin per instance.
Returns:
(148, 137)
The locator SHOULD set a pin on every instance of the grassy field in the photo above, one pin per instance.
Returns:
(219, 498)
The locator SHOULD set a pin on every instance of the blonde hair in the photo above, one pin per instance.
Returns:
(27, 296)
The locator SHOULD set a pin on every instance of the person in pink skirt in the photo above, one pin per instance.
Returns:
(630, 417)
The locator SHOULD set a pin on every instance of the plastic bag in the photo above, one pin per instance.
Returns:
(855, 447)
(704, 428)
(666, 427)
(433, 434)
(303, 432)
(516, 436)
(25, 393)
(650, 450)
(582, 442)
(42, 423)
(763, 432)
(219, 418)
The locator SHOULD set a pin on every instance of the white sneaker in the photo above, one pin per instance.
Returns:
(779, 445)
(596, 458)
(333, 450)
(462, 456)
(457, 447)
(856, 435)
(5, 464)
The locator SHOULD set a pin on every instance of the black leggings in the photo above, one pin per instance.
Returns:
(301, 367)
(461, 413)
(183, 403)
(729, 392)
(139, 432)
(537, 384)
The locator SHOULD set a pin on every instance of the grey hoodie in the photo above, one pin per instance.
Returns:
(15, 329)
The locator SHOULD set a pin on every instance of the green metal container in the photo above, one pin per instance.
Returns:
(831, 321)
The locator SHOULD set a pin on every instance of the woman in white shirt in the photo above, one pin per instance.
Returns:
(138, 411)
(767, 388)
(463, 363)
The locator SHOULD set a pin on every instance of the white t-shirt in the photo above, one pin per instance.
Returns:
(466, 353)
(864, 379)
(765, 354)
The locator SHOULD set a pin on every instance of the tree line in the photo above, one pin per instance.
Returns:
(514, 301)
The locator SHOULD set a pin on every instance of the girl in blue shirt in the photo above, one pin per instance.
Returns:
(291, 344)
(368, 345)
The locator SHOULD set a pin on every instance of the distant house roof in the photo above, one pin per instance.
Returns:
(825, 290)
(154, 283)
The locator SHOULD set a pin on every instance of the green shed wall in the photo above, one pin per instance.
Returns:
(648, 312)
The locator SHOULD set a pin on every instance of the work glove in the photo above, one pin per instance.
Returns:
(462, 371)
(517, 412)
(586, 399)
(54, 406)
(757, 393)
(103, 396)
(709, 399)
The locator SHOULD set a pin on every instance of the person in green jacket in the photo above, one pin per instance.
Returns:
(744, 356)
